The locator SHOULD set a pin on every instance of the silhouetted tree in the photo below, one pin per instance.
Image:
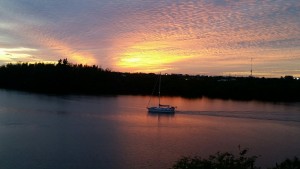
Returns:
(65, 61)
(59, 62)
(65, 77)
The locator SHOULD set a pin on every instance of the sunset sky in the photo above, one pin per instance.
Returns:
(206, 37)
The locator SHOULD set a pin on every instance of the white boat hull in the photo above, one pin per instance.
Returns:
(161, 109)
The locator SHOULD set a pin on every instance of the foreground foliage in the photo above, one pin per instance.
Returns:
(229, 161)
(218, 161)
(288, 164)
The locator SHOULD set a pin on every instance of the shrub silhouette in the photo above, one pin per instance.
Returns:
(288, 164)
(229, 161)
(218, 161)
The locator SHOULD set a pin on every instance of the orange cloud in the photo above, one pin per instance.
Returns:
(215, 37)
(67, 51)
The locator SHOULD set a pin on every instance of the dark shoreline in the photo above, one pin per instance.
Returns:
(68, 79)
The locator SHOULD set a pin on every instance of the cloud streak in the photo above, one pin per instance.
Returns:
(216, 37)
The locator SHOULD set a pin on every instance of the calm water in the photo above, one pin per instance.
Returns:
(55, 132)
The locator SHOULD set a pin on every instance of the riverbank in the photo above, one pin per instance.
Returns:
(66, 78)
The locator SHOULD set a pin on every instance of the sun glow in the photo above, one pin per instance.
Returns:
(150, 57)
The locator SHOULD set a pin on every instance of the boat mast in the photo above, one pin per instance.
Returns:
(159, 89)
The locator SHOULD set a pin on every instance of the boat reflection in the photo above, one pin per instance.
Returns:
(161, 114)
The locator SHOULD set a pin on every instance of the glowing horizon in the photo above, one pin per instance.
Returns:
(189, 37)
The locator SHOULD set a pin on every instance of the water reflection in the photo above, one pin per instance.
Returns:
(40, 131)
(156, 114)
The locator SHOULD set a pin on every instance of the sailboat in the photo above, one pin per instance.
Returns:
(160, 108)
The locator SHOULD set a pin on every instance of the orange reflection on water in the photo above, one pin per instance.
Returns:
(165, 138)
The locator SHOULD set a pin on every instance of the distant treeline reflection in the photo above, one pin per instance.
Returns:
(66, 78)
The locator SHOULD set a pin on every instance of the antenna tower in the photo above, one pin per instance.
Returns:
(251, 68)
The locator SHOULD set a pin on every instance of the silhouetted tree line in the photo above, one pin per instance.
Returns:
(67, 78)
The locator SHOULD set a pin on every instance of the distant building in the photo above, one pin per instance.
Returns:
(288, 77)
